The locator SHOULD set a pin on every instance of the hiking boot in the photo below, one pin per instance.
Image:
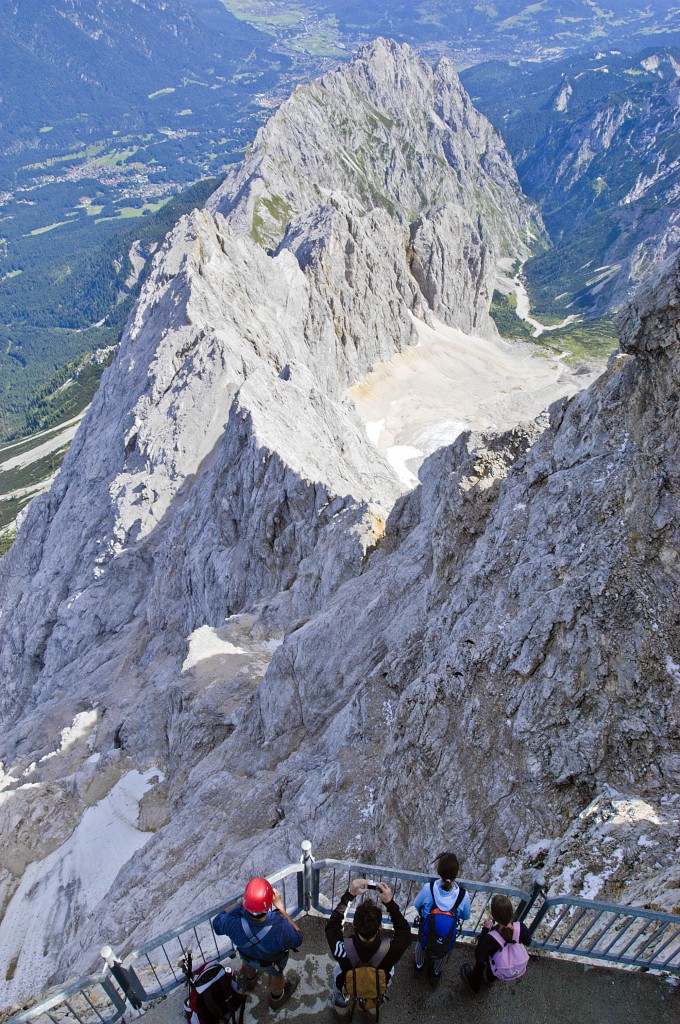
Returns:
(465, 972)
(338, 1001)
(420, 956)
(245, 983)
(289, 987)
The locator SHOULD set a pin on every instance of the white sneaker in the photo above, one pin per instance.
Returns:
(420, 956)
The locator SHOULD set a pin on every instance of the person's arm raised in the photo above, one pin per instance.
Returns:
(278, 905)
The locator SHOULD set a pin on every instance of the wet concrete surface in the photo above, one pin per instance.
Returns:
(553, 991)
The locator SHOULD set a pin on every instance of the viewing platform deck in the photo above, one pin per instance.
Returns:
(590, 961)
(552, 992)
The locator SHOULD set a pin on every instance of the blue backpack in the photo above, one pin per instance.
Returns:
(440, 927)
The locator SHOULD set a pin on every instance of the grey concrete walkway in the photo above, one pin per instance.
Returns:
(552, 992)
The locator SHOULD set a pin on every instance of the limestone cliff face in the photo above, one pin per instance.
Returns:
(501, 676)
(225, 585)
(338, 295)
(391, 133)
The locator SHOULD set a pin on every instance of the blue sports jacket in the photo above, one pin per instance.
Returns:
(278, 940)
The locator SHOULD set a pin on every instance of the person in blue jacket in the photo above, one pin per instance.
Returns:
(263, 934)
(443, 894)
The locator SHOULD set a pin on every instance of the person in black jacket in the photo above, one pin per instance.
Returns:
(500, 920)
(367, 933)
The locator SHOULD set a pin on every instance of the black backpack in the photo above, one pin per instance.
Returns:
(213, 995)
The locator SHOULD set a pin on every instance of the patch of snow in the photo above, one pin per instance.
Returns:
(388, 712)
(366, 813)
(397, 456)
(591, 886)
(569, 871)
(537, 848)
(69, 883)
(6, 779)
(441, 434)
(673, 670)
(82, 726)
(374, 430)
(206, 643)
(498, 869)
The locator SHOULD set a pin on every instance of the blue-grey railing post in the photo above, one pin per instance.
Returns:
(537, 892)
(114, 995)
(127, 979)
(526, 906)
(307, 862)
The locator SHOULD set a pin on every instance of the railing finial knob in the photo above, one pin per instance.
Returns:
(108, 955)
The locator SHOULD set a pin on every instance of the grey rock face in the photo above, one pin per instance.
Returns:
(389, 132)
(377, 649)
(500, 677)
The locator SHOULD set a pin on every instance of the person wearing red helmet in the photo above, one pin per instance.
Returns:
(264, 935)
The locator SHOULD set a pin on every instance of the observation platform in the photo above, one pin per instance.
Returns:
(552, 992)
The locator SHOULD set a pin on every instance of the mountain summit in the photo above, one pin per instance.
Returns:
(227, 611)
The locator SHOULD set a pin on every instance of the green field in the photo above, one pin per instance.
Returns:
(126, 212)
(593, 339)
(33, 474)
(48, 227)
(7, 538)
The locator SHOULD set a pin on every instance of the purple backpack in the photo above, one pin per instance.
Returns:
(511, 960)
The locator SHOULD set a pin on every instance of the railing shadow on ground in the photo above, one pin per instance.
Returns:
(563, 926)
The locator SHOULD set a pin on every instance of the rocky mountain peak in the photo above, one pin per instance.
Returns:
(227, 581)
(387, 131)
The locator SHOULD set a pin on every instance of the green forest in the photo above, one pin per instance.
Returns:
(69, 301)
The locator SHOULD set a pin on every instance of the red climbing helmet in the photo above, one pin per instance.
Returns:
(258, 897)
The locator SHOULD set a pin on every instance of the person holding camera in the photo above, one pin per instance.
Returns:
(367, 947)
(263, 934)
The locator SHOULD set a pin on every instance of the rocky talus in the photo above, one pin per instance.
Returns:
(226, 591)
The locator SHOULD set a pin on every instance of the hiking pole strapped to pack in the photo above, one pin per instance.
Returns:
(213, 994)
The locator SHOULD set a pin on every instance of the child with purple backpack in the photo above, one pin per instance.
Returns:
(500, 952)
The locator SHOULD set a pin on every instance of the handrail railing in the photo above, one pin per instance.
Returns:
(326, 875)
(94, 998)
(563, 926)
(619, 935)
(154, 965)
(622, 936)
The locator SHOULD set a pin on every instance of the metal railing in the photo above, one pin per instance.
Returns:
(621, 936)
(562, 926)
(155, 964)
(330, 879)
(92, 999)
